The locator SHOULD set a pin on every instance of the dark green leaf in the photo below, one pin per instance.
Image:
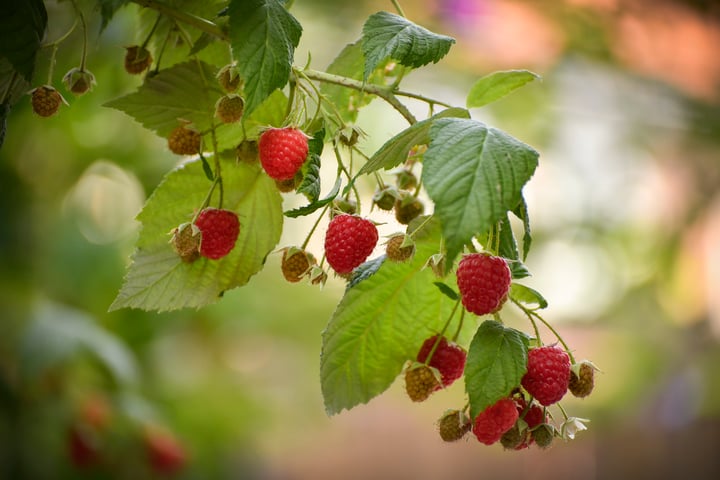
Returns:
(474, 174)
(386, 35)
(201, 43)
(365, 271)
(395, 150)
(108, 9)
(527, 296)
(496, 362)
(496, 85)
(521, 212)
(310, 186)
(207, 169)
(22, 29)
(308, 209)
(263, 36)
(509, 250)
(447, 291)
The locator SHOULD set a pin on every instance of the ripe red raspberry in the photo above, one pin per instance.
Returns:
(282, 152)
(548, 374)
(219, 230)
(514, 439)
(495, 420)
(165, 454)
(484, 281)
(349, 240)
(448, 358)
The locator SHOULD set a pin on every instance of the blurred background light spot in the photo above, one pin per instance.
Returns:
(104, 202)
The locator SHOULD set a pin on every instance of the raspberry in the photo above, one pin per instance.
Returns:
(186, 242)
(436, 263)
(229, 108)
(484, 281)
(343, 205)
(46, 101)
(420, 382)
(83, 446)
(406, 180)
(349, 240)
(296, 264)
(79, 81)
(543, 435)
(548, 374)
(219, 229)
(184, 141)
(453, 425)
(289, 185)
(137, 59)
(448, 358)
(228, 78)
(282, 152)
(165, 454)
(407, 208)
(495, 420)
(395, 250)
(582, 379)
(514, 439)
(385, 198)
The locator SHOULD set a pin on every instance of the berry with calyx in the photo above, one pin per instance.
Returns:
(548, 374)
(317, 275)
(137, 59)
(453, 425)
(296, 264)
(400, 248)
(484, 282)
(79, 81)
(407, 208)
(518, 438)
(349, 240)
(83, 446)
(495, 420)
(165, 454)
(420, 382)
(406, 180)
(513, 439)
(219, 230)
(229, 108)
(228, 78)
(343, 205)
(448, 359)
(186, 242)
(582, 379)
(385, 198)
(282, 151)
(184, 140)
(289, 185)
(247, 151)
(46, 101)
(436, 263)
(543, 435)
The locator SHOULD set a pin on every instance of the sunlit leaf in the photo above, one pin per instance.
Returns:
(496, 85)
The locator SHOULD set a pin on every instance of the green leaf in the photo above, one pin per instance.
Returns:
(509, 250)
(389, 35)
(496, 362)
(365, 271)
(521, 212)
(380, 324)
(159, 280)
(527, 296)
(447, 291)
(108, 9)
(58, 334)
(496, 85)
(474, 174)
(310, 186)
(263, 36)
(314, 206)
(22, 28)
(178, 92)
(395, 150)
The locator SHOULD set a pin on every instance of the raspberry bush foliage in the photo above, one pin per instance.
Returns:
(250, 124)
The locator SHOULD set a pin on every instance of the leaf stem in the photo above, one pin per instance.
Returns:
(533, 313)
(423, 98)
(200, 23)
(460, 325)
(397, 6)
(442, 333)
(384, 93)
(530, 317)
(315, 225)
(152, 32)
(83, 59)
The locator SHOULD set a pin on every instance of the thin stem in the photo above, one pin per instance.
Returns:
(206, 201)
(152, 31)
(549, 327)
(442, 333)
(63, 37)
(200, 23)
(216, 159)
(315, 225)
(382, 92)
(460, 325)
(349, 175)
(423, 98)
(563, 411)
(84, 29)
(291, 96)
(397, 6)
(530, 317)
(162, 51)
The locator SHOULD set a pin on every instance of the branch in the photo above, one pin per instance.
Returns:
(200, 23)
(377, 90)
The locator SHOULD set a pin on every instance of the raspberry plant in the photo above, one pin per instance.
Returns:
(253, 126)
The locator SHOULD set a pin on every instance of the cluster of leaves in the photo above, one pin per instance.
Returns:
(473, 173)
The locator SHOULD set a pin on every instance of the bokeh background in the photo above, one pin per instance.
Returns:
(626, 220)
